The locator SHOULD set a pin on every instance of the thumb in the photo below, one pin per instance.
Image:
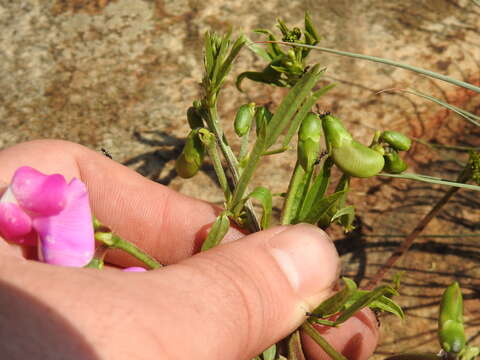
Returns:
(234, 301)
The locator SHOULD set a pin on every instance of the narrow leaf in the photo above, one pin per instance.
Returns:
(432, 180)
(472, 118)
(321, 207)
(364, 300)
(291, 103)
(346, 217)
(260, 51)
(302, 112)
(336, 302)
(318, 188)
(348, 210)
(383, 303)
(217, 232)
(264, 196)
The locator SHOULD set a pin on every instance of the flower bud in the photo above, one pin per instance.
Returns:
(352, 157)
(244, 118)
(397, 140)
(309, 136)
(191, 158)
(450, 320)
(393, 163)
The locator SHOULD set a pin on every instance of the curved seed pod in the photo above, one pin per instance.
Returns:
(309, 136)
(244, 118)
(352, 157)
(358, 160)
(194, 118)
(335, 132)
(450, 320)
(398, 141)
(394, 164)
(191, 158)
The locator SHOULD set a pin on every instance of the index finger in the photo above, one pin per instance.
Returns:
(166, 224)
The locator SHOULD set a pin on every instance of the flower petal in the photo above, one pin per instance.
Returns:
(40, 194)
(67, 238)
(135, 269)
(15, 224)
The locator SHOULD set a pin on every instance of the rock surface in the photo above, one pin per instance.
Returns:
(120, 74)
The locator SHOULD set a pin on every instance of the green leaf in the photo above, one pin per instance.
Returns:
(432, 180)
(291, 103)
(472, 118)
(336, 302)
(383, 303)
(321, 207)
(270, 353)
(226, 64)
(386, 304)
(217, 232)
(259, 50)
(303, 111)
(318, 188)
(264, 196)
(348, 210)
(208, 54)
(346, 216)
(273, 48)
(364, 300)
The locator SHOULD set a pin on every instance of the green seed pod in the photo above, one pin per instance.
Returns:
(244, 118)
(396, 140)
(191, 158)
(309, 136)
(335, 132)
(450, 320)
(352, 157)
(393, 163)
(194, 118)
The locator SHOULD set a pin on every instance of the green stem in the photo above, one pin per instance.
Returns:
(115, 241)
(244, 147)
(247, 173)
(232, 163)
(275, 151)
(217, 166)
(97, 260)
(320, 340)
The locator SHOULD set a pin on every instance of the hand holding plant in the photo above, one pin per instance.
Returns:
(228, 303)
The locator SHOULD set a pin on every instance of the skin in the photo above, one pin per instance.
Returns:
(231, 302)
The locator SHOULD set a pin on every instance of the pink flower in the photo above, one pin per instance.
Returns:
(135, 269)
(44, 210)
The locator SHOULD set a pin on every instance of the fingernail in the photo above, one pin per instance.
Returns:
(307, 257)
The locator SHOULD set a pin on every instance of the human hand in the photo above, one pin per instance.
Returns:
(231, 302)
